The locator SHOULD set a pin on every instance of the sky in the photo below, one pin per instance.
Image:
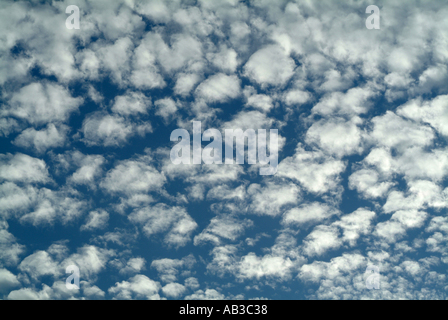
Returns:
(86, 178)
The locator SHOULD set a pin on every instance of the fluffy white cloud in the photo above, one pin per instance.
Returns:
(269, 66)
(40, 264)
(10, 250)
(132, 103)
(134, 265)
(139, 286)
(262, 102)
(368, 183)
(50, 206)
(173, 290)
(23, 168)
(15, 199)
(222, 228)
(355, 101)
(133, 176)
(308, 213)
(111, 130)
(41, 140)
(169, 269)
(90, 259)
(219, 88)
(166, 108)
(271, 198)
(316, 172)
(433, 112)
(208, 294)
(252, 266)
(355, 224)
(321, 239)
(392, 131)
(319, 270)
(8, 281)
(336, 136)
(161, 218)
(367, 110)
(96, 220)
(89, 169)
(40, 103)
(396, 227)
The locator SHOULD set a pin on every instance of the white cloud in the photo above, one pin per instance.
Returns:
(395, 228)
(41, 140)
(336, 136)
(166, 108)
(433, 112)
(40, 103)
(225, 59)
(355, 224)
(272, 198)
(269, 66)
(133, 176)
(208, 294)
(319, 270)
(90, 260)
(368, 183)
(222, 228)
(111, 130)
(262, 102)
(40, 264)
(30, 294)
(115, 58)
(156, 11)
(296, 97)
(252, 120)
(8, 280)
(173, 290)
(10, 250)
(139, 286)
(91, 291)
(15, 199)
(49, 206)
(96, 220)
(89, 169)
(314, 212)
(369, 93)
(192, 283)
(316, 172)
(421, 194)
(392, 131)
(8, 125)
(23, 168)
(355, 101)
(168, 269)
(321, 239)
(223, 192)
(161, 218)
(219, 88)
(252, 266)
(134, 265)
(185, 83)
(131, 103)
(415, 163)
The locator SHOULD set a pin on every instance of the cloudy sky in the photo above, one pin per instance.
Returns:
(86, 177)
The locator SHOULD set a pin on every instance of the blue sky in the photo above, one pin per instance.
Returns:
(86, 177)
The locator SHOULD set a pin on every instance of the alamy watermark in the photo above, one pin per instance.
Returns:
(74, 270)
(72, 21)
(373, 280)
(212, 153)
(373, 21)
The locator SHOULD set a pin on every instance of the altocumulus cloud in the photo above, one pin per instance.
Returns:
(86, 179)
